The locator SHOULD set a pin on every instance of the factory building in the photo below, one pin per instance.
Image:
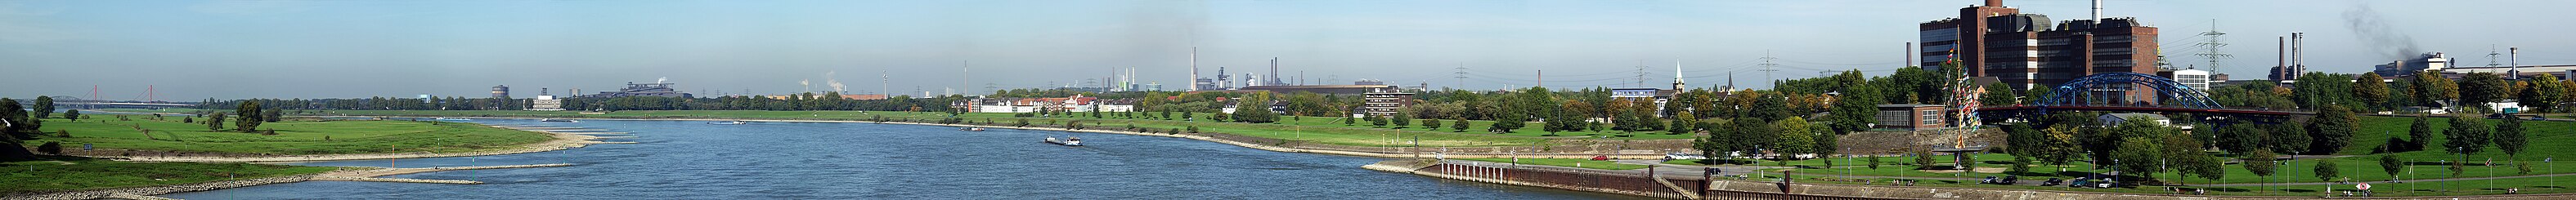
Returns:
(2030, 50)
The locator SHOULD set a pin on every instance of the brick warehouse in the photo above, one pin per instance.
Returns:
(2029, 50)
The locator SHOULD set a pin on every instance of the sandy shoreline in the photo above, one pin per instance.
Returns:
(561, 141)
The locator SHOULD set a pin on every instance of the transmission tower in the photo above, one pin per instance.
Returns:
(1461, 75)
(2212, 44)
(1641, 73)
(2491, 56)
(1767, 66)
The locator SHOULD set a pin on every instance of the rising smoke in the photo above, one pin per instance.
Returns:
(835, 82)
(2373, 30)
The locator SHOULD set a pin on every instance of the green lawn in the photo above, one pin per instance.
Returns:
(293, 137)
(1327, 130)
(2536, 185)
(1565, 162)
(81, 174)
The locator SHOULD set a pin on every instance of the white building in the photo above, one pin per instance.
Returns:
(2195, 78)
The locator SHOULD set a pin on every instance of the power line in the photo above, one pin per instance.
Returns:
(1767, 66)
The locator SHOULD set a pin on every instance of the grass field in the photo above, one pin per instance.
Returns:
(2548, 138)
(293, 137)
(72, 173)
(1327, 130)
(1565, 162)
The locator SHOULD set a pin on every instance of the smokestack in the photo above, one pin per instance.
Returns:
(1909, 54)
(2299, 52)
(1273, 78)
(2097, 10)
(1994, 3)
(1194, 69)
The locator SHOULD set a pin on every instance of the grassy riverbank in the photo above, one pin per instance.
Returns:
(294, 137)
(1326, 130)
(74, 173)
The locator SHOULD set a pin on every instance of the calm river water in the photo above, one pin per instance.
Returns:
(770, 160)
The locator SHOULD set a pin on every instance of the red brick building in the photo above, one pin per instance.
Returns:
(2029, 50)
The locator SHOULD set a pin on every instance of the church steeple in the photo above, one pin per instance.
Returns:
(1677, 75)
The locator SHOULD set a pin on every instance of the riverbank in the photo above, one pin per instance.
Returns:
(340, 174)
(557, 141)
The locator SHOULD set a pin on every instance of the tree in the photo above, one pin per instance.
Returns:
(2138, 156)
(1403, 120)
(2332, 129)
(2433, 89)
(1794, 137)
(2390, 164)
(1375, 121)
(1998, 94)
(1347, 121)
(73, 115)
(273, 114)
(2544, 94)
(22, 126)
(2418, 134)
(2509, 137)
(2326, 170)
(44, 106)
(2372, 92)
(249, 116)
(2261, 162)
(2058, 146)
(2477, 89)
(1856, 109)
(1431, 124)
(1506, 123)
(2240, 138)
(2182, 153)
(2466, 136)
(2288, 136)
(1459, 125)
(215, 122)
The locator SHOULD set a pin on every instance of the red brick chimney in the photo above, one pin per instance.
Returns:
(1994, 3)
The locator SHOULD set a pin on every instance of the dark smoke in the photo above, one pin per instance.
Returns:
(2373, 30)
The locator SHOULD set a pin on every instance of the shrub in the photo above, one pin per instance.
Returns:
(50, 147)
(1194, 129)
(62, 133)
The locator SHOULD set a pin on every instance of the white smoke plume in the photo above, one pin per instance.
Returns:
(835, 82)
(660, 80)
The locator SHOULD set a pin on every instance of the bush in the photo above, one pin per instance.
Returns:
(1873, 162)
(62, 133)
(1194, 129)
(51, 147)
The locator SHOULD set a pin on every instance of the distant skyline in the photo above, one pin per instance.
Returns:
(192, 50)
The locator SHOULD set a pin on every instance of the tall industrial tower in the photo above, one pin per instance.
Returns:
(1194, 68)
(2213, 44)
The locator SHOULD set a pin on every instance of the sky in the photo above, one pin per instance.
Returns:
(193, 50)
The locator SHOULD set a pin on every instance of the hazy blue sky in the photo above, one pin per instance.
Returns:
(337, 49)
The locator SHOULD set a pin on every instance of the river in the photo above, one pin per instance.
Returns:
(778, 160)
